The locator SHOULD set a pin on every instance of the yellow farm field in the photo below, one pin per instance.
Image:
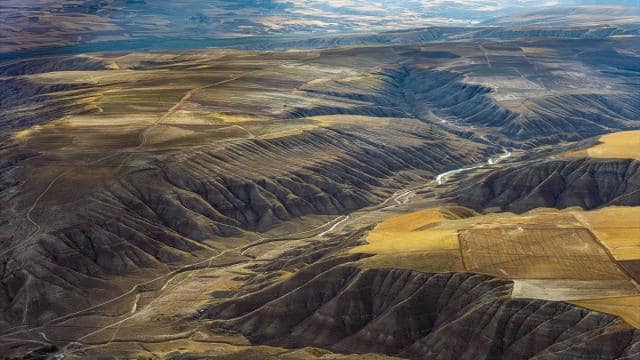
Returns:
(624, 145)
(569, 255)
(531, 244)
(627, 307)
(533, 252)
(424, 240)
(618, 228)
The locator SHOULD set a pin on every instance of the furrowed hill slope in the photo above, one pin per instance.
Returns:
(498, 93)
(452, 315)
(154, 177)
(588, 183)
(134, 172)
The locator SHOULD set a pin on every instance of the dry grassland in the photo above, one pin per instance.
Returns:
(620, 145)
(625, 145)
(536, 244)
(330, 120)
(424, 240)
(618, 228)
(414, 231)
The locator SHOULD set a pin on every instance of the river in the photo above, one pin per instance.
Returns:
(442, 178)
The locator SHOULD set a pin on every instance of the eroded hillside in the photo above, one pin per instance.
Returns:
(232, 198)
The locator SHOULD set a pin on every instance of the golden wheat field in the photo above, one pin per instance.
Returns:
(626, 307)
(624, 145)
(542, 250)
(424, 240)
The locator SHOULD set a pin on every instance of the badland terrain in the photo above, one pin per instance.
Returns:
(467, 192)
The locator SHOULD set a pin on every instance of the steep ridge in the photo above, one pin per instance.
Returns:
(252, 197)
(399, 37)
(167, 212)
(614, 59)
(50, 64)
(511, 33)
(420, 316)
(588, 183)
(414, 37)
(95, 207)
(575, 117)
(439, 34)
(549, 120)
(25, 103)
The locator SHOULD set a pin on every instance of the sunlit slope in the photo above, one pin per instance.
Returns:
(425, 240)
(622, 145)
(489, 241)
(618, 228)
(518, 95)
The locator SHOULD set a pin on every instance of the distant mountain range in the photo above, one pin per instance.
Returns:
(27, 24)
(572, 16)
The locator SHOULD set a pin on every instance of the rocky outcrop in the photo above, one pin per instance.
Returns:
(420, 316)
(588, 183)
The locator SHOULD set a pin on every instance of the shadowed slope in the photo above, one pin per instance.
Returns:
(420, 316)
(588, 183)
